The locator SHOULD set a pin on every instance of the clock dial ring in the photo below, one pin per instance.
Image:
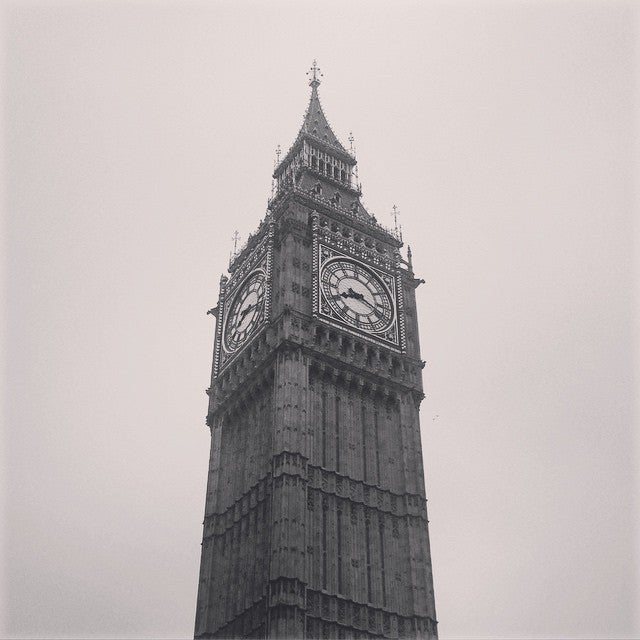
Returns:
(245, 312)
(356, 295)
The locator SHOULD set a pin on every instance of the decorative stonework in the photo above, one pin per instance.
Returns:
(335, 617)
(258, 261)
(401, 309)
(357, 244)
(324, 254)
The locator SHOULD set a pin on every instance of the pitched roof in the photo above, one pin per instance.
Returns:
(315, 126)
(315, 122)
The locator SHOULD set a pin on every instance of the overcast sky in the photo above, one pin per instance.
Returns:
(139, 136)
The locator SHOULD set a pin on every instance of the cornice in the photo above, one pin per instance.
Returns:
(337, 213)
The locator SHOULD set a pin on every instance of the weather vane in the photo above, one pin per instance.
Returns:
(315, 74)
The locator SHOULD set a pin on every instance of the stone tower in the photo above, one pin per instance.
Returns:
(315, 520)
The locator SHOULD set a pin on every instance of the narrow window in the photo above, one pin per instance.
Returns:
(323, 421)
(363, 420)
(324, 545)
(337, 433)
(377, 444)
(384, 589)
(367, 551)
(339, 534)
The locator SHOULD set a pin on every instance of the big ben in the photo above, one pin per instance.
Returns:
(315, 517)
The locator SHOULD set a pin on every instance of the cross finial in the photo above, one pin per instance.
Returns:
(278, 152)
(235, 237)
(315, 74)
(395, 213)
(351, 139)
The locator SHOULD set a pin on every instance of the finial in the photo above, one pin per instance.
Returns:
(394, 213)
(235, 237)
(351, 139)
(276, 162)
(397, 228)
(315, 74)
(409, 256)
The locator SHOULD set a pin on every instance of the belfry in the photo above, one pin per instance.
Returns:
(315, 518)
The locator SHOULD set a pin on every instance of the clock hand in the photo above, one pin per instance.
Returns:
(244, 312)
(375, 309)
(350, 293)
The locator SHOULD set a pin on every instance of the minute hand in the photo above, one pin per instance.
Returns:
(249, 308)
(375, 309)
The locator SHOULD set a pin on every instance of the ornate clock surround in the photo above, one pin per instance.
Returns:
(258, 260)
(335, 242)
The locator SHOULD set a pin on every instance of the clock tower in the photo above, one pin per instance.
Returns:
(315, 518)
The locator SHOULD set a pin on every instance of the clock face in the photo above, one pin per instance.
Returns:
(246, 311)
(357, 295)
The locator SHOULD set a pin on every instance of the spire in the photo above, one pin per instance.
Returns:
(316, 147)
(315, 122)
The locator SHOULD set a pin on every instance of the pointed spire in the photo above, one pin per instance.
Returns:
(315, 122)
(317, 134)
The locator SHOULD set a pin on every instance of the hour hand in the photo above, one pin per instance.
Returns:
(350, 293)
(244, 312)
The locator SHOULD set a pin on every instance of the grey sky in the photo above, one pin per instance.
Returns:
(139, 136)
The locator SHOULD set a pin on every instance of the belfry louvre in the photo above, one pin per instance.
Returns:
(315, 519)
